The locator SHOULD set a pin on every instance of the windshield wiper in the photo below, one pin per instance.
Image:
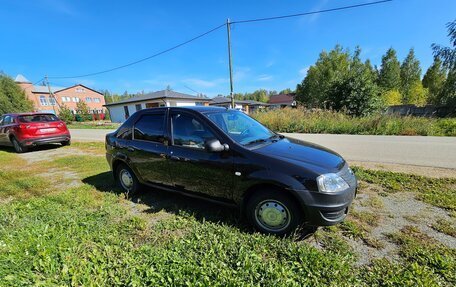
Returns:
(255, 141)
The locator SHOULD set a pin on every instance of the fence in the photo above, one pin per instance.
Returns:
(426, 111)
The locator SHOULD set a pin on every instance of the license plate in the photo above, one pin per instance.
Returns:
(49, 130)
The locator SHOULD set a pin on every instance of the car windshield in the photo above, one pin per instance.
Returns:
(240, 127)
(38, 118)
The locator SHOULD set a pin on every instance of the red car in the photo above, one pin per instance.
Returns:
(26, 130)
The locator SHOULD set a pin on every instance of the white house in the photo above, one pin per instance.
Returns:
(121, 110)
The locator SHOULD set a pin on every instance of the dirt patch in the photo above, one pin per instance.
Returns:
(49, 153)
(427, 171)
(395, 211)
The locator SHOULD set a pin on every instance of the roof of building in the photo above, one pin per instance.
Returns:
(164, 94)
(282, 99)
(45, 90)
(21, 79)
(226, 100)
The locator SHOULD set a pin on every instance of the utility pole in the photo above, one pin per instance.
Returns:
(50, 94)
(228, 29)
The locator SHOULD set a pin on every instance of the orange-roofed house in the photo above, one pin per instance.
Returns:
(63, 96)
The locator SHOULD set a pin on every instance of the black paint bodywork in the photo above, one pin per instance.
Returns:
(231, 176)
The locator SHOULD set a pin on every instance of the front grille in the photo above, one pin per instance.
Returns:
(348, 175)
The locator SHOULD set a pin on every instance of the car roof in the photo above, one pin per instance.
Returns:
(201, 109)
(27, 114)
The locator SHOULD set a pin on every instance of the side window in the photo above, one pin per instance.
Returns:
(1, 121)
(124, 133)
(7, 120)
(150, 128)
(189, 132)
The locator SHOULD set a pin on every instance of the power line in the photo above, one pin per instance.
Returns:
(310, 13)
(143, 59)
(31, 85)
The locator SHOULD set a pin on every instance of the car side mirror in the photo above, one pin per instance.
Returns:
(214, 145)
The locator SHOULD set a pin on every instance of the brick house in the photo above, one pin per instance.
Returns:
(68, 96)
(283, 100)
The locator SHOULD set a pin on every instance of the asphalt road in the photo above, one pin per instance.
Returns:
(408, 150)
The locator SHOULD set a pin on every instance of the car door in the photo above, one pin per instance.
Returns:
(149, 148)
(192, 167)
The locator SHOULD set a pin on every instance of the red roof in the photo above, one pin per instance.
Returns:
(282, 99)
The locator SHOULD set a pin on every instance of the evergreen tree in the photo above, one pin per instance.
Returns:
(434, 79)
(12, 97)
(389, 77)
(410, 74)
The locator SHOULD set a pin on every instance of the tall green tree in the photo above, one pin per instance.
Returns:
(357, 93)
(448, 56)
(434, 79)
(389, 77)
(286, 91)
(12, 97)
(330, 68)
(410, 74)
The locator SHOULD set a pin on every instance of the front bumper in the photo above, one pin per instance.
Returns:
(45, 140)
(324, 209)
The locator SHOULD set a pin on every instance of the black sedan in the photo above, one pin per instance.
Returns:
(224, 155)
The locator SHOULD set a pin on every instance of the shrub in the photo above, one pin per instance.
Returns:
(66, 115)
(326, 121)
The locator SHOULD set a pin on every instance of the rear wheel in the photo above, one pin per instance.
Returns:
(127, 180)
(17, 146)
(273, 212)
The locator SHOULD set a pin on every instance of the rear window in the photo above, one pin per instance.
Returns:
(38, 118)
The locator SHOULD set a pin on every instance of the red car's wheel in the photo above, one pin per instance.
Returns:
(17, 146)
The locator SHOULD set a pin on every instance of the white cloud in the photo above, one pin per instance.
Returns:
(264, 78)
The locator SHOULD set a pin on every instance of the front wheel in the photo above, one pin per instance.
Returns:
(17, 146)
(273, 212)
(127, 180)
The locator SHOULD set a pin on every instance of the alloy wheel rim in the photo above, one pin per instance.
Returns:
(272, 215)
(126, 179)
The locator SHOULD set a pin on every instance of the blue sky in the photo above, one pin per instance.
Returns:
(61, 38)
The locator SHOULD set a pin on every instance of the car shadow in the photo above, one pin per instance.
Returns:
(159, 200)
(10, 149)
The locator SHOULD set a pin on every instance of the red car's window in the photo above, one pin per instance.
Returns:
(38, 118)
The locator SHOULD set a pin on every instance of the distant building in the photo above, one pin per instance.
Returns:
(246, 106)
(68, 96)
(283, 100)
(121, 110)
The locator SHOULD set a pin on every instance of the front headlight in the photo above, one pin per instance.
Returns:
(331, 182)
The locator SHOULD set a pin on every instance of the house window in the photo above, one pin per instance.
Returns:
(43, 101)
(127, 113)
(88, 99)
(76, 99)
(52, 101)
(138, 107)
(96, 100)
(80, 90)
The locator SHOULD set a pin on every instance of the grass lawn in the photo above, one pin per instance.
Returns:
(71, 226)
(93, 125)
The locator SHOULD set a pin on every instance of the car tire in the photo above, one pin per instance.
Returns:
(17, 146)
(127, 180)
(66, 143)
(273, 212)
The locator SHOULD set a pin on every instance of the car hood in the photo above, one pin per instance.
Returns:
(302, 151)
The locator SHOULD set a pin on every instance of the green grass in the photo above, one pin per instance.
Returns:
(90, 236)
(93, 125)
(440, 192)
(320, 121)
(445, 226)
